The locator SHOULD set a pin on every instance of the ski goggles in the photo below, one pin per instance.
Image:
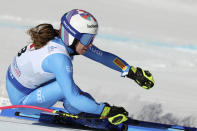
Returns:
(87, 39)
(84, 38)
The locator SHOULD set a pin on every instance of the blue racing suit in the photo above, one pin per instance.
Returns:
(61, 87)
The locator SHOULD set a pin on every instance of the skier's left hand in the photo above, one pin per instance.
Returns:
(142, 77)
(115, 115)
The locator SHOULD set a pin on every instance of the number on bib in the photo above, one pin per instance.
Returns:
(22, 51)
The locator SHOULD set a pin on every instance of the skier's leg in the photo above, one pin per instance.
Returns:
(15, 96)
(45, 96)
(68, 106)
(71, 109)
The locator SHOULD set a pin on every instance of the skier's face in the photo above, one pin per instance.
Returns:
(81, 49)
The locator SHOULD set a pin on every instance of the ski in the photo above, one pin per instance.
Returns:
(54, 116)
(57, 116)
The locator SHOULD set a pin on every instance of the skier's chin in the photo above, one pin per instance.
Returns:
(82, 52)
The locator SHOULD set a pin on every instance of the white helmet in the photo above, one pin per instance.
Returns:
(80, 25)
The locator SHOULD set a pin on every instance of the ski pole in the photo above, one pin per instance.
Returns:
(61, 113)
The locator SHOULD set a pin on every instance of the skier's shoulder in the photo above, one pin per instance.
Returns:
(57, 52)
(57, 40)
(56, 46)
(56, 61)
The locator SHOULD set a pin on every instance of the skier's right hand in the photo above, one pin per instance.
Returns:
(142, 77)
(115, 115)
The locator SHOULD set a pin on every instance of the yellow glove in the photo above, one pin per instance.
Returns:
(141, 77)
(115, 115)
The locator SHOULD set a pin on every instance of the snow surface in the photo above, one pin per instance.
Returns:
(158, 35)
(8, 124)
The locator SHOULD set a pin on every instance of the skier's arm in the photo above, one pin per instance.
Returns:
(140, 76)
(60, 65)
(108, 59)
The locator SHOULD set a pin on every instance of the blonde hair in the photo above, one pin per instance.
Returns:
(42, 34)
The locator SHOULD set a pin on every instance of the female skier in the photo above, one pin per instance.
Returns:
(42, 73)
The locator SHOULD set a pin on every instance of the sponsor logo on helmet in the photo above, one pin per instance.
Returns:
(86, 15)
(92, 26)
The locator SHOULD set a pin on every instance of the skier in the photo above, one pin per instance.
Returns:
(42, 73)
